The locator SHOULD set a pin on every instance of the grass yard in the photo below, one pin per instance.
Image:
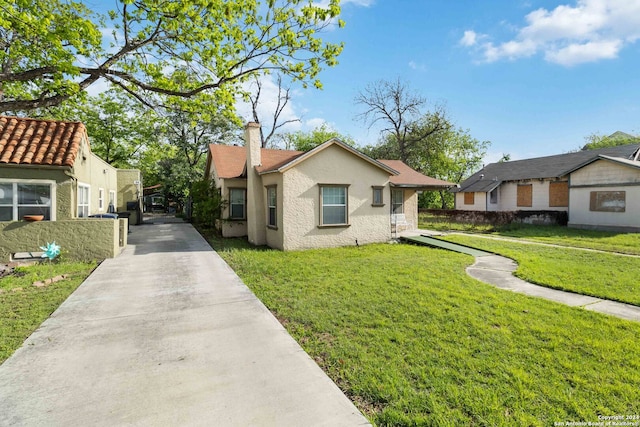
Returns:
(23, 307)
(414, 341)
(601, 275)
(627, 243)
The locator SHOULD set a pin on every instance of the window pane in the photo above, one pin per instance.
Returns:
(333, 195)
(237, 211)
(334, 215)
(32, 194)
(34, 210)
(271, 196)
(6, 194)
(377, 196)
(272, 217)
(6, 213)
(237, 196)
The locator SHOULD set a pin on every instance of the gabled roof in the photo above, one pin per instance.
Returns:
(549, 167)
(230, 161)
(26, 141)
(304, 156)
(408, 177)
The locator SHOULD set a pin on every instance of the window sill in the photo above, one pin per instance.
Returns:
(334, 225)
(377, 206)
(237, 219)
(272, 227)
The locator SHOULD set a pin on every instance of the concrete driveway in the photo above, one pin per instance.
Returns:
(166, 334)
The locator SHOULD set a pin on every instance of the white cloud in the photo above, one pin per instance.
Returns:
(587, 31)
(588, 52)
(470, 38)
(416, 66)
(315, 122)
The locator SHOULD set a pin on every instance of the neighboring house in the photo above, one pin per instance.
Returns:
(47, 167)
(332, 195)
(558, 183)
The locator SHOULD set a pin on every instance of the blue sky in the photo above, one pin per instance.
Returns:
(533, 77)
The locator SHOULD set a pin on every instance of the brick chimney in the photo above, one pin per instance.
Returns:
(256, 221)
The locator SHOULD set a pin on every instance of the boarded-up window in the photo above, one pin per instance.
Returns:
(525, 192)
(469, 198)
(559, 194)
(608, 201)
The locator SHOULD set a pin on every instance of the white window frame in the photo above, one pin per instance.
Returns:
(14, 202)
(244, 204)
(87, 204)
(345, 187)
(272, 206)
(100, 199)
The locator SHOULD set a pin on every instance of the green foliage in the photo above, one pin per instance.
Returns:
(190, 54)
(305, 141)
(596, 140)
(413, 340)
(24, 307)
(208, 203)
(121, 131)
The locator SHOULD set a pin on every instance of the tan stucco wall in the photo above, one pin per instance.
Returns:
(594, 177)
(275, 237)
(411, 207)
(64, 185)
(231, 228)
(129, 191)
(301, 199)
(79, 239)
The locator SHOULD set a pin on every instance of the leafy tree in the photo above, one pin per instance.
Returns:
(119, 129)
(161, 52)
(305, 141)
(596, 140)
(398, 109)
(208, 203)
(192, 136)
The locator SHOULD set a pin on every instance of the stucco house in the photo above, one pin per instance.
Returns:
(332, 195)
(562, 182)
(47, 168)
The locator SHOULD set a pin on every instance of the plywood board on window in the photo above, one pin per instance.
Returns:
(607, 201)
(469, 198)
(525, 195)
(559, 194)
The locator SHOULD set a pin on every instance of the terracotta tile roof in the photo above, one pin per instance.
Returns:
(39, 142)
(411, 178)
(230, 161)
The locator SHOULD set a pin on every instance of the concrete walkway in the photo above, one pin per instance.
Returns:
(166, 334)
(498, 271)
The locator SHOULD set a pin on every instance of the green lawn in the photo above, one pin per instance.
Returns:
(628, 243)
(23, 307)
(414, 341)
(601, 275)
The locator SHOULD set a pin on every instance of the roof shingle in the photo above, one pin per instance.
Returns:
(408, 177)
(539, 168)
(230, 160)
(25, 141)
